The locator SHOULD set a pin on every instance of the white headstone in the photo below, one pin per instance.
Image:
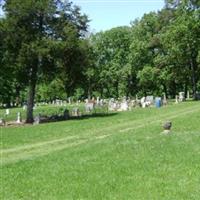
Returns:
(188, 94)
(176, 101)
(181, 96)
(124, 106)
(143, 102)
(101, 102)
(7, 111)
(19, 117)
(98, 100)
(164, 99)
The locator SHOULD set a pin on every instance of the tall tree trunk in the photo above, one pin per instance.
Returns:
(31, 95)
(108, 92)
(127, 93)
(101, 91)
(33, 78)
(128, 86)
(17, 101)
(185, 90)
(173, 89)
(89, 90)
(117, 89)
(194, 82)
(165, 90)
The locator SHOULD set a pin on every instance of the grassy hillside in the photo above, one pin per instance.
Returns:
(117, 156)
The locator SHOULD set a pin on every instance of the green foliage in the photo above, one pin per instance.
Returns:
(148, 79)
(79, 93)
(111, 69)
(122, 53)
(48, 92)
(42, 38)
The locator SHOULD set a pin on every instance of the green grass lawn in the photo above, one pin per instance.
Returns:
(123, 155)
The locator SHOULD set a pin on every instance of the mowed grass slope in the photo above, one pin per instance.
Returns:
(120, 156)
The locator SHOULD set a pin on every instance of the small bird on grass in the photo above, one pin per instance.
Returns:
(167, 126)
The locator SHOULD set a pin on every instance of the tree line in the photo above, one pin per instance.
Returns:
(46, 53)
(158, 53)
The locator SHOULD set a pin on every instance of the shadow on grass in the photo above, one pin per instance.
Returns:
(93, 115)
(46, 119)
(81, 117)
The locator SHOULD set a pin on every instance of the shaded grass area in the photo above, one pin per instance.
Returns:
(123, 156)
(48, 110)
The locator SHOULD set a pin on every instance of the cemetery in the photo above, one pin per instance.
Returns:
(62, 110)
(106, 114)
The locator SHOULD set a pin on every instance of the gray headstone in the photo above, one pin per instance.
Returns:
(181, 96)
(37, 119)
(89, 106)
(24, 107)
(164, 99)
(150, 99)
(2, 122)
(66, 114)
(76, 112)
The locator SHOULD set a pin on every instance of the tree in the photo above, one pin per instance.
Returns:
(111, 69)
(181, 42)
(148, 79)
(143, 50)
(40, 33)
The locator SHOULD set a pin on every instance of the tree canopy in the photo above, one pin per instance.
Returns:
(41, 39)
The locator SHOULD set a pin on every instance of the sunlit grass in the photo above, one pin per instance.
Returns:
(119, 156)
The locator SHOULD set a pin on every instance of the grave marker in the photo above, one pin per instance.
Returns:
(181, 96)
(2, 122)
(7, 111)
(19, 118)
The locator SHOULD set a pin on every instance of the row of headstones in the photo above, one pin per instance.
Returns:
(89, 107)
(39, 118)
(127, 104)
(181, 97)
(119, 105)
(113, 105)
(151, 100)
(56, 102)
(158, 101)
